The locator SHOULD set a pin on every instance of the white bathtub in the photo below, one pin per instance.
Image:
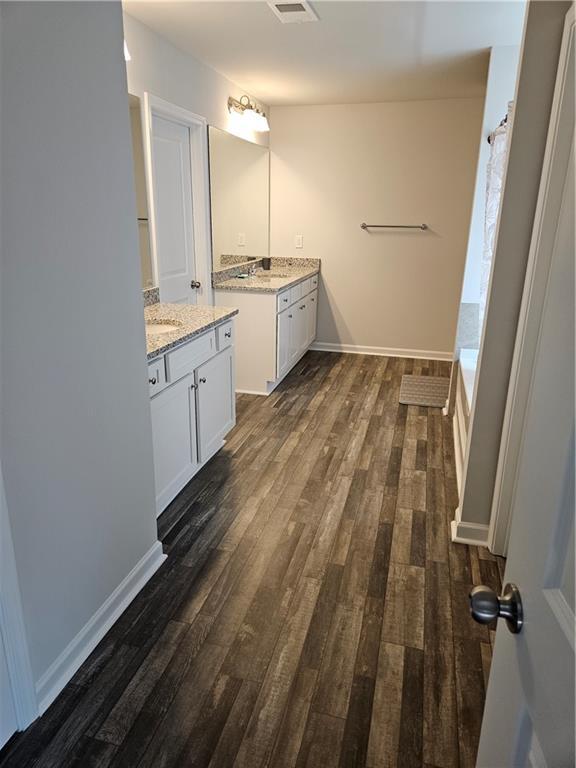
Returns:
(468, 363)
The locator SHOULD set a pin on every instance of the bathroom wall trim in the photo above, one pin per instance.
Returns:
(355, 349)
(475, 534)
(12, 628)
(60, 672)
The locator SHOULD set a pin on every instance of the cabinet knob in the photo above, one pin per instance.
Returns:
(228, 334)
(193, 387)
(303, 306)
(202, 380)
(152, 381)
(289, 317)
(195, 284)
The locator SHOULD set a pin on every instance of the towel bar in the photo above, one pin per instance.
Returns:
(393, 226)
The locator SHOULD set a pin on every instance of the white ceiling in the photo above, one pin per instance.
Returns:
(357, 51)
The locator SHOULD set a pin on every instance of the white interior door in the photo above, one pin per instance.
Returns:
(173, 215)
(8, 721)
(529, 714)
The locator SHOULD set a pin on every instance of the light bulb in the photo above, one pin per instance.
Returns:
(256, 121)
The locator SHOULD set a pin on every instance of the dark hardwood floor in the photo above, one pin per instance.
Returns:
(312, 610)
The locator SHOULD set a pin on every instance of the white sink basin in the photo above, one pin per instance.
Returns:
(158, 327)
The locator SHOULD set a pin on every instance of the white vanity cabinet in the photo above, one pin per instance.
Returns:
(295, 331)
(274, 330)
(192, 408)
(174, 433)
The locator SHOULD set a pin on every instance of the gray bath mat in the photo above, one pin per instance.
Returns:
(424, 390)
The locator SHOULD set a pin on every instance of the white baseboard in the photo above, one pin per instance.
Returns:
(353, 349)
(475, 534)
(251, 392)
(60, 672)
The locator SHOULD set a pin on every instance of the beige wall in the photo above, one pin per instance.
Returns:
(239, 195)
(333, 167)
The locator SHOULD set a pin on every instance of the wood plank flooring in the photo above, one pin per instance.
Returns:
(312, 610)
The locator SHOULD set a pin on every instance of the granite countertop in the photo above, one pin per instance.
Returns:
(268, 281)
(189, 320)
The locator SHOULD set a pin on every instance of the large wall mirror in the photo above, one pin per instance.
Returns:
(239, 196)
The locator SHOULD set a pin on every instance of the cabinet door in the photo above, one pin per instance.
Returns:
(283, 342)
(174, 435)
(294, 334)
(215, 400)
(312, 316)
(302, 325)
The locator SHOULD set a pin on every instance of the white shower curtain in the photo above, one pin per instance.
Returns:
(494, 181)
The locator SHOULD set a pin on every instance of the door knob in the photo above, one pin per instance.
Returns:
(485, 606)
(195, 284)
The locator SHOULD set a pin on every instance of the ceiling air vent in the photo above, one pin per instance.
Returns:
(293, 13)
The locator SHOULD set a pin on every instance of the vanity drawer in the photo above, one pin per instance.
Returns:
(224, 335)
(314, 282)
(306, 287)
(296, 292)
(283, 301)
(156, 376)
(189, 356)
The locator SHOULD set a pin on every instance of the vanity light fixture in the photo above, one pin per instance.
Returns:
(253, 117)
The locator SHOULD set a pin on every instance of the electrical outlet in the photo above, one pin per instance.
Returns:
(299, 241)
(241, 239)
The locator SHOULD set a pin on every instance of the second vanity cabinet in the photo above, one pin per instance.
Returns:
(296, 330)
(192, 408)
(274, 330)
